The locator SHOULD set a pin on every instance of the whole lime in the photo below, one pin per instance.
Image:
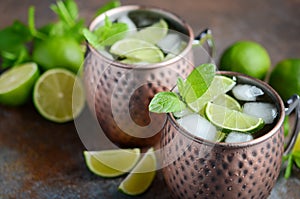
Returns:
(58, 52)
(246, 57)
(285, 78)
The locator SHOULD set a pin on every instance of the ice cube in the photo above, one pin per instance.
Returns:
(233, 137)
(105, 54)
(182, 113)
(264, 110)
(198, 126)
(131, 26)
(170, 43)
(246, 92)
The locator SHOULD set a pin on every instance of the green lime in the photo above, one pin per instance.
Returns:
(153, 33)
(142, 175)
(285, 78)
(297, 144)
(136, 49)
(58, 95)
(219, 85)
(246, 57)
(111, 163)
(227, 101)
(58, 52)
(16, 84)
(232, 120)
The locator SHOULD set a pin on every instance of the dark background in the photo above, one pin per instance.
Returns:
(41, 159)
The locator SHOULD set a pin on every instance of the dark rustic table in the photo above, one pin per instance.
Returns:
(41, 159)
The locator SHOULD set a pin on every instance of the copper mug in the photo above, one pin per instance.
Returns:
(198, 168)
(118, 94)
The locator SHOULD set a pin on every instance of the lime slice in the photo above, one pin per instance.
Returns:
(153, 33)
(142, 175)
(219, 85)
(16, 84)
(232, 120)
(58, 95)
(136, 49)
(111, 163)
(228, 101)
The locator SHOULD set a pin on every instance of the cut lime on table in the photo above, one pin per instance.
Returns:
(137, 50)
(16, 84)
(58, 95)
(153, 33)
(232, 120)
(142, 175)
(111, 163)
(219, 86)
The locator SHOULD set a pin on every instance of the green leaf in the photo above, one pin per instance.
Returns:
(31, 24)
(109, 33)
(198, 82)
(297, 161)
(289, 167)
(108, 6)
(91, 38)
(166, 102)
(72, 8)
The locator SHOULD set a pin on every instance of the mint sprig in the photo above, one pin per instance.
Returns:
(107, 34)
(195, 86)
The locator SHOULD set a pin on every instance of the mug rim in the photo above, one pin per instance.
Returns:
(255, 141)
(98, 19)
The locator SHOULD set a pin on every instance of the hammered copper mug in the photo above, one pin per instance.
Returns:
(119, 93)
(198, 168)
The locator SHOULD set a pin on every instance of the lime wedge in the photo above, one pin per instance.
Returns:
(142, 175)
(136, 49)
(16, 84)
(219, 85)
(153, 33)
(228, 101)
(232, 120)
(58, 95)
(111, 163)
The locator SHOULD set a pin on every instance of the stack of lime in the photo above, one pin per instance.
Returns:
(113, 163)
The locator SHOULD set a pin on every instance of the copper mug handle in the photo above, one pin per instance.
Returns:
(206, 37)
(293, 105)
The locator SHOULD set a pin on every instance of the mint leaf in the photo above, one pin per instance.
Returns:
(166, 102)
(107, 34)
(108, 6)
(198, 82)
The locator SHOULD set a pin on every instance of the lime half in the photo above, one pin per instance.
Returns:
(219, 86)
(16, 84)
(153, 33)
(232, 120)
(58, 95)
(111, 163)
(137, 50)
(142, 175)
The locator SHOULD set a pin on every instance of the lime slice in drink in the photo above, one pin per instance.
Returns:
(219, 85)
(227, 101)
(153, 33)
(232, 120)
(136, 49)
(16, 84)
(142, 175)
(58, 95)
(111, 163)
